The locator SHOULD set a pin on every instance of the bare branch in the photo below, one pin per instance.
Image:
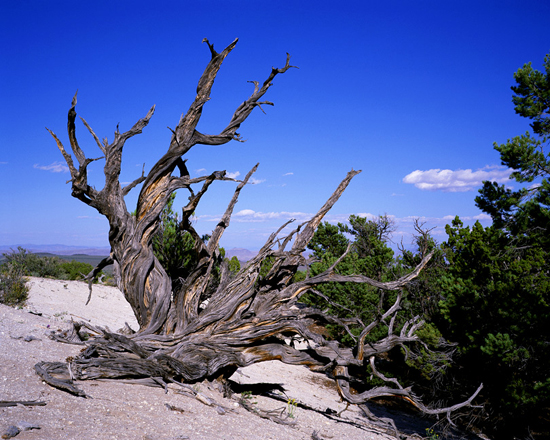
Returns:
(79, 178)
(66, 155)
(330, 276)
(211, 47)
(101, 147)
(120, 139)
(307, 233)
(91, 276)
(72, 133)
(243, 111)
(136, 182)
(224, 222)
(181, 140)
(381, 376)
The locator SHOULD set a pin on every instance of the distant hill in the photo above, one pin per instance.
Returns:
(57, 249)
(82, 258)
(94, 255)
(241, 254)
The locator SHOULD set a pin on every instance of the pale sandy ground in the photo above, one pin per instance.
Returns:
(124, 411)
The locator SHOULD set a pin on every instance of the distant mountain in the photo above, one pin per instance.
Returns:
(61, 249)
(57, 249)
(241, 254)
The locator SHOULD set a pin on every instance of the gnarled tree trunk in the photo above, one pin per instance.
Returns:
(247, 317)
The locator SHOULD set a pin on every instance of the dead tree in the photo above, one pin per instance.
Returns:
(248, 316)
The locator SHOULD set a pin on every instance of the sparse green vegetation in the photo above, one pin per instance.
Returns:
(291, 408)
(46, 267)
(372, 256)
(13, 290)
(21, 263)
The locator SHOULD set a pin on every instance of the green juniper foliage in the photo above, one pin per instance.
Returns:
(175, 248)
(371, 255)
(497, 287)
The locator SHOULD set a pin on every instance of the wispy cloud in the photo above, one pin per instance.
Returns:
(3, 163)
(206, 218)
(458, 180)
(368, 215)
(248, 215)
(288, 174)
(86, 217)
(55, 167)
(481, 217)
(257, 225)
(255, 181)
(233, 175)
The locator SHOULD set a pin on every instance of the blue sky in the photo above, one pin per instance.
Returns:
(412, 93)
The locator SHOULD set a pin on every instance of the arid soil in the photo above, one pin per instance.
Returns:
(117, 410)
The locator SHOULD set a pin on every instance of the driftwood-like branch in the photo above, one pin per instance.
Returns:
(47, 370)
(8, 403)
(107, 261)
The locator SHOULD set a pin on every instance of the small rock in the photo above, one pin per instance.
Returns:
(26, 426)
(30, 338)
(12, 431)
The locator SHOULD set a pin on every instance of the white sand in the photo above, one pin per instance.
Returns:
(67, 299)
(139, 411)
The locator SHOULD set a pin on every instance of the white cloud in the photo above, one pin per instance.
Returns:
(206, 218)
(200, 170)
(55, 167)
(248, 215)
(367, 215)
(288, 174)
(3, 163)
(86, 217)
(255, 181)
(482, 217)
(233, 175)
(456, 181)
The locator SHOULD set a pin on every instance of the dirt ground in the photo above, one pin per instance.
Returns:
(117, 410)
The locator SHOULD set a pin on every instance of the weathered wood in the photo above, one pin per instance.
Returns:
(46, 370)
(247, 316)
(7, 403)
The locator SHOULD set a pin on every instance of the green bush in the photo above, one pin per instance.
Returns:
(33, 265)
(30, 264)
(234, 265)
(74, 270)
(13, 290)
